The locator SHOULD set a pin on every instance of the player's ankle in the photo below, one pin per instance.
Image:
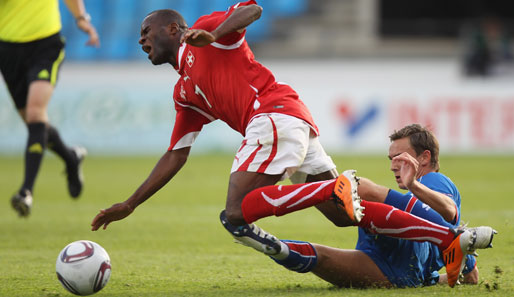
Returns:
(284, 252)
(235, 219)
(301, 256)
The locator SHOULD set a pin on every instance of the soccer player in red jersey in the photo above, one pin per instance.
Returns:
(220, 79)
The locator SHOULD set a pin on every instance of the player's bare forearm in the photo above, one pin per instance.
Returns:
(78, 10)
(370, 191)
(237, 21)
(76, 7)
(240, 18)
(409, 169)
(169, 164)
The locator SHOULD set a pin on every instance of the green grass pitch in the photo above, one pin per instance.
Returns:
(174, 245)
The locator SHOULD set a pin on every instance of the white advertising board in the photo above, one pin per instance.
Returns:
(127, 108)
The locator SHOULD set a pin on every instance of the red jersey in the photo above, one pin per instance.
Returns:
(223, 81)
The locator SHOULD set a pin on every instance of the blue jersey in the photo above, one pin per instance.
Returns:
(409, 263)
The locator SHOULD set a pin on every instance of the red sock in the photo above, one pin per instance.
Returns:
(387, 220)
(280, 200)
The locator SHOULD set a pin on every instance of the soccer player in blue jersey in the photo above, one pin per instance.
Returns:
(379, 260)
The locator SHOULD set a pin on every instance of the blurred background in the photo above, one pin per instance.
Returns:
(363, 67)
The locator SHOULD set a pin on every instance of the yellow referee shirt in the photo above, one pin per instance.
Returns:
(28, 20)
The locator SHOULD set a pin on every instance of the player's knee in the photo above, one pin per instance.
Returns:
(35, 114)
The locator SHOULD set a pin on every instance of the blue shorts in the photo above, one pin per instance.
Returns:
(415, 266)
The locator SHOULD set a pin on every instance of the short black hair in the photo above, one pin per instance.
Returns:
(169, 16)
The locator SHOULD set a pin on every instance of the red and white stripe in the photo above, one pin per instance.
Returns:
(411, 204)
(273, 152)
(311, 188)
(387, 220)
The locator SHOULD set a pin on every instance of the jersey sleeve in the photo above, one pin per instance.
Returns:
(437, 183)
(212, 21)
(188, 124)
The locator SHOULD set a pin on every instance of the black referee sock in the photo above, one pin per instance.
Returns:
(34, 151)
(55, 143)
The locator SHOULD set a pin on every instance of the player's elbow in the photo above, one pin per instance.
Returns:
(256, 11)
(450, 213)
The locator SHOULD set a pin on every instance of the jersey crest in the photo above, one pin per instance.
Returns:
(190, 59)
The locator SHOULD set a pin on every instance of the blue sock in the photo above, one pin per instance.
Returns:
(302, 256)
(471, 262)
(410, 204)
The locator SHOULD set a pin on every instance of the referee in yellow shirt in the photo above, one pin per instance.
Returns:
(31, 51)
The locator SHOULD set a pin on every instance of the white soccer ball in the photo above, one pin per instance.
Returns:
(83, 267)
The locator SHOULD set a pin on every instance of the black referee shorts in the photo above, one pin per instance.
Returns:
(23, 63)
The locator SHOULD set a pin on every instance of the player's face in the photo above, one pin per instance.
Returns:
(155, 41)
(397, 147)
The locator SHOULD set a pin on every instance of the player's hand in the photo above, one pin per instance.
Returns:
(471, 277)
(88, 28)
(408, 168)
(197, 37)
(116, 212)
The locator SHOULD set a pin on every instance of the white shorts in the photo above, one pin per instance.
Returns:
(281, 144)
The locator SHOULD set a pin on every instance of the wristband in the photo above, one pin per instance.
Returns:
(86, 17)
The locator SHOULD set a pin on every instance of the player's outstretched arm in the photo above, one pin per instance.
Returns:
(169, 164)
(82, 18)
(470, 278)
(441, 203)
(240, 18)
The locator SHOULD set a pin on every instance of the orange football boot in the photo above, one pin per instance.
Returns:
(345, 192)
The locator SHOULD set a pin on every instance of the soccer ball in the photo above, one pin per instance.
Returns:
(83, 267)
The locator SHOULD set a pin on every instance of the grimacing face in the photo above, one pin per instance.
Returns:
(155, 40)
(396, 148)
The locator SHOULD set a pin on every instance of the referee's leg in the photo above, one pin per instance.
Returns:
(43, 135)
(36, 117)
